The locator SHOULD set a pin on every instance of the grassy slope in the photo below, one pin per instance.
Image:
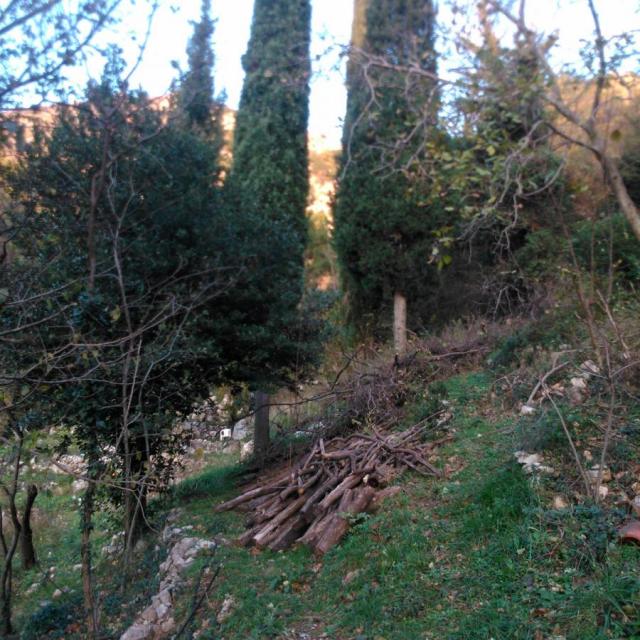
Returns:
(479, 555)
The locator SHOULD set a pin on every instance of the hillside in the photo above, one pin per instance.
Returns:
(495, 548)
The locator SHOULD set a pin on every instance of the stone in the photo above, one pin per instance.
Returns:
(559, 502)
(161, 611)
(576, 396)
(227, 608)
(579, 383)
(589, 368)
(138, 632)
(532, 462)
(156, 621)
(527, 410)
(57, 593)
(77, 486)
(168, 625)
(247, 451)
(595, 471)
(241, 429)
(149, 615)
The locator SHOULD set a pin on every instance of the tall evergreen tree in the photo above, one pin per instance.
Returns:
(196, 99)
(268, 188)
(383, 230)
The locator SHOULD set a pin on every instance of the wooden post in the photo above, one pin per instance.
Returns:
(261, 435)
(399, 324)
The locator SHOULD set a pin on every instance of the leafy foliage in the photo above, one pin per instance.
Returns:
(267, 190)
(120, 239)
(383, 231)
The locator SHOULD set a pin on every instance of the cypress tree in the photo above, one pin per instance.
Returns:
(383, 232)
(268, 188)
(196, 100)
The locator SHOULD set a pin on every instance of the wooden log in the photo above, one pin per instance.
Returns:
(308, 510)
(338, 526)
(381, 496)
(264, 534)
(268, 511)
(247, 537)
(348, 483)
(249, 495)
(256, 503)
(287, 533)
(315, 530)
(302, 487)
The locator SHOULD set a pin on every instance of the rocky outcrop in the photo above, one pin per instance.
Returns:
(157, 620)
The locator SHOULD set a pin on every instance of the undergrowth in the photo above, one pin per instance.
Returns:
(482, 553)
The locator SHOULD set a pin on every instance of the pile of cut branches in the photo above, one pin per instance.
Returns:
(312, 502)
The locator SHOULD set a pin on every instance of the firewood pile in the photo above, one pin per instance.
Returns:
(312, 502)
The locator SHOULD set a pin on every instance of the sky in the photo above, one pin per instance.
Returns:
(172, 28)
(331, 29)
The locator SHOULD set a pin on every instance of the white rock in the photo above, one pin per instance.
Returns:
(527, 410)
(532, 462)
(168, 625)
(603, 491)
(241, 429)
(578, 383)
(78, 485)
(559, 503)
(57, 593)
(165, 597)
(594, 472)
(138, 632)
(161, 611)
(246, 451)
(227, 608)
(149, 615)
(157, 620)
(589, 368)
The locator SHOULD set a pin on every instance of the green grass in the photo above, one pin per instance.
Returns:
(478, 555)
(475, 556)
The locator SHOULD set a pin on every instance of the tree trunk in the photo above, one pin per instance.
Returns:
(6, 583)
(619, 189)
(261, 436)
(27, 550)
(135, 501)
(86, 526)
(135, 505)
(359, 24)
(399, 324)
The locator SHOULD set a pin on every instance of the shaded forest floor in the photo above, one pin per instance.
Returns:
(487, 552)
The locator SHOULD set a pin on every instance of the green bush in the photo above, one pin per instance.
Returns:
(51, 620)
(594, 241)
